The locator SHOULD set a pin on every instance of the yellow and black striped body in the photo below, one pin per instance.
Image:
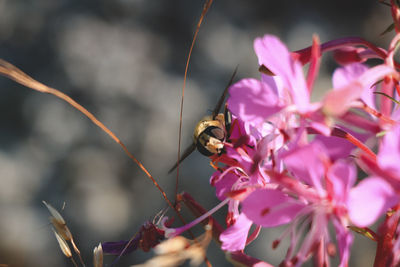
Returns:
(210, 134)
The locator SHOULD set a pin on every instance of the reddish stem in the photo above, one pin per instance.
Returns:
(386, 233)
(378, 114)
(305, 54)
(361, 122)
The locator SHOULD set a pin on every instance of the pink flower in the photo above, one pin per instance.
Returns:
(318, 192)
(256, 101)
(275, 174)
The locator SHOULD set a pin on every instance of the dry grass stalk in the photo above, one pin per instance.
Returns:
(14, 73)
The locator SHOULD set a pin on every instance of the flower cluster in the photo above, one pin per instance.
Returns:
(291, 161)
(312, 165)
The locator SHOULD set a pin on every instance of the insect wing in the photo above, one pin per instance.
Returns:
(185, 154)
(223, 96)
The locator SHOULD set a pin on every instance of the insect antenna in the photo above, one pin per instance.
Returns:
(206, 7)
(223, 96)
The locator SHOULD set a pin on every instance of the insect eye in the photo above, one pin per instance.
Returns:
(216, 132)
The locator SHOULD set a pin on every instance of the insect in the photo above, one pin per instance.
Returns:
(211, 131)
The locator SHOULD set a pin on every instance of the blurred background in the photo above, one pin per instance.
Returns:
(124, 61)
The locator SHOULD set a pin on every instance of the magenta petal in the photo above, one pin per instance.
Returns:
(343, 176)
(369, 199)
(274, 82)
(270, 208)
(234, 237)
(224, 185)
(252, 101)
(337, 102)
(389, 152)
(337, 147)
(345, 240)
(396, 114)
(305, 163)
(345, 75)
(273, 54)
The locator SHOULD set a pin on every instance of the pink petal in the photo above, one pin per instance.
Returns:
(305, 163)
(270, 208)
(369, 199)
(337, 102)
(345, 75)
(396, 114)
(224, 185)
(345, 241)
(234, 237)
(252, 101)
(273, 54)
(274, 82)
(342, 176)
(279, 88)
(337, 147)
(389, 152)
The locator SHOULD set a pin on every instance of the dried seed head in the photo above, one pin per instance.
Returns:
(56, 215)
(175, 251)
(61, 230)
(172, 245)
(98, 256)
(63, 245)
(58, 222)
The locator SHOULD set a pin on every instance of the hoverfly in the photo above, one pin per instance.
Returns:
(211, 131)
